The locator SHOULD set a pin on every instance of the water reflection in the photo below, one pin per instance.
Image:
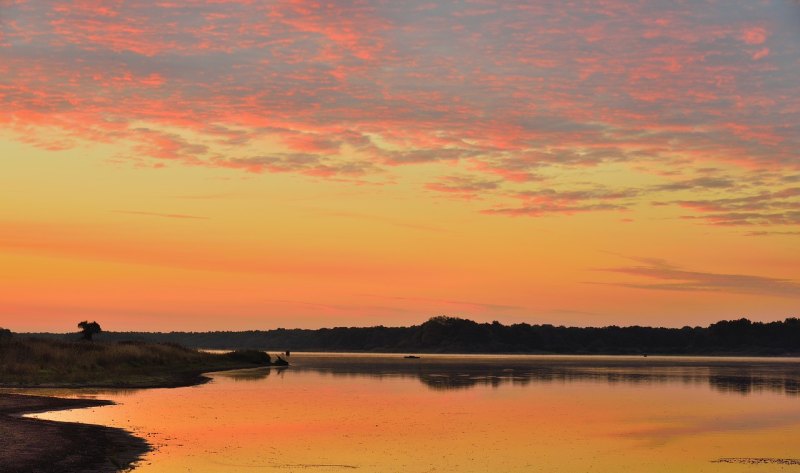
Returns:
(253, 374)
(730, 375)
(387, 414)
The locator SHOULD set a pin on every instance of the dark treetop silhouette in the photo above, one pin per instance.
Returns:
(89, 329)
(455, 335)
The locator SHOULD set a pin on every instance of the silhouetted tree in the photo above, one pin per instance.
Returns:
(4, 333)
(453, 335)
(89, 329)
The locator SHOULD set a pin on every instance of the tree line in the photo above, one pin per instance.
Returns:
(456, 335)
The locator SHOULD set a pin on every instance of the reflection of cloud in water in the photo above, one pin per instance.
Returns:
(742, 376)
(732, 421)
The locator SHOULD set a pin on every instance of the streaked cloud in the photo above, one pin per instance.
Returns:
(766, 208)
(699, 183)
(658, 274)
(467, 187)
(302, 163)
(536, 203)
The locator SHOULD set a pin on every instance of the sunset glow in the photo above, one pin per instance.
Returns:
(229, 164)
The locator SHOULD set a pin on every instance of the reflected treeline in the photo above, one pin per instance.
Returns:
(252, 374)
(743, 377)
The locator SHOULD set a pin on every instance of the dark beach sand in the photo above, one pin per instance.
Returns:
(33, 446)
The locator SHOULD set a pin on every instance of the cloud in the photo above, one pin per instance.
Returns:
(541, 210)
(768, 233)
(167, 146)
(302, 163)
(780, 207)
(466, 187)
(748, 218)
(754, 35)
(420, 156)
(666, 277)
(356, 89)
(313, 144)
(704, 182)
(544, 202)
(760, 54)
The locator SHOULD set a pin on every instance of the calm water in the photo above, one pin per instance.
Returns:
(383, 413)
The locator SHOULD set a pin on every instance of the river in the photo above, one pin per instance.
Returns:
(448, 413)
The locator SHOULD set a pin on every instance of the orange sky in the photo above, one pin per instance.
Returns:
(237, 165)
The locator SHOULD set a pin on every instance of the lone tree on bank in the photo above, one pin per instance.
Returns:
(89, 329)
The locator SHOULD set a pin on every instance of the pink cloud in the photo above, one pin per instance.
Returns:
(760, 54)
(754, 35)
(358, 88)
(464, 187)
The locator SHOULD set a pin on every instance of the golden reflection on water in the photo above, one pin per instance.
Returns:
(450, 414)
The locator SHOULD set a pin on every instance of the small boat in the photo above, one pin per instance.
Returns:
(411, 357)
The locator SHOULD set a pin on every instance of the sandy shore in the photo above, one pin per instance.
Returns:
(39, 446)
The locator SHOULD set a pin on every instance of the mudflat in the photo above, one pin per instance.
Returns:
(34, 446)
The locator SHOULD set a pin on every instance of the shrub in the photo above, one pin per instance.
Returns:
(250, 356)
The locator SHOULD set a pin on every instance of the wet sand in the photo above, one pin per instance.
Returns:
(38, 446)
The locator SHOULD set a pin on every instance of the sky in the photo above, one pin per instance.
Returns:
(238, 164)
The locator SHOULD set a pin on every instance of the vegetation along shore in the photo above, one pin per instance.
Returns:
(456, 335)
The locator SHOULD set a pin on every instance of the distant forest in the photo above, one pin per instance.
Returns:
(455, 335)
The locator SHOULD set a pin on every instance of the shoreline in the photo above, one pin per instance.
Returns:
(542, 355)
(174, 382)
(42, 446)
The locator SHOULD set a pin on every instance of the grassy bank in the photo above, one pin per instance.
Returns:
(52, 363)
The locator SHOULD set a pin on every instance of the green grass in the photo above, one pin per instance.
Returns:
(34, 362)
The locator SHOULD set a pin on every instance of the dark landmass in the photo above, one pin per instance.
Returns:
(454, 335)
(39, 446)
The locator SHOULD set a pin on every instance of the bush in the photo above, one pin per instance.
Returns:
(250, 356)
(5, 333)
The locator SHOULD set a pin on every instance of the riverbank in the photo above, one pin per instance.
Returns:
(28, 362)
(39, 446)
